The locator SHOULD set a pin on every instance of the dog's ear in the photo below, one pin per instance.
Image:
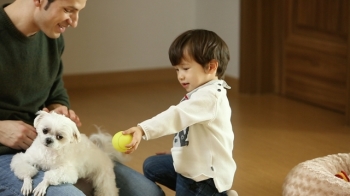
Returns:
(40, 114)
(76, 134)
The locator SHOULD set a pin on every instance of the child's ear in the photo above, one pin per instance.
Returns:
(213, 66)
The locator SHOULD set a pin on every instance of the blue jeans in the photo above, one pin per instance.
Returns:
(160, 169)
(129, 182)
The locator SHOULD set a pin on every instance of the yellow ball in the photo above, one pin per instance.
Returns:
(119, 141)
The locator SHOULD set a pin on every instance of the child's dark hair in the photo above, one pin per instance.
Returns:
(203, 46)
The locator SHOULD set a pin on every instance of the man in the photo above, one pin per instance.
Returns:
(35, 60)
(31, 70)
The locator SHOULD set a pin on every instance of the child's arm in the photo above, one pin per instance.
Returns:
(137, 134)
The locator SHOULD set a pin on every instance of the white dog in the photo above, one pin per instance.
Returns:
(66, 155)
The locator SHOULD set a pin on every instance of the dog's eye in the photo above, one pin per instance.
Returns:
(45, 131)
(59, 137)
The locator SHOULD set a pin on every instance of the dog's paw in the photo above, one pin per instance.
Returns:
(40, 190)
(27, 186)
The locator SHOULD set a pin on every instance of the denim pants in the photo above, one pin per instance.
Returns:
(129, 182)
(160, 169)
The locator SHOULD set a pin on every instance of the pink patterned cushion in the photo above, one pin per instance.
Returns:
(317, 177)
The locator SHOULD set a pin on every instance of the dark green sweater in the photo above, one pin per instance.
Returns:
(30, 73)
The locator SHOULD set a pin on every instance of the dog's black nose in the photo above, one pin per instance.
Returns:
(48, 141)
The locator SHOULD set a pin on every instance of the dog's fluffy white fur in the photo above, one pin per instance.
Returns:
(67, 155)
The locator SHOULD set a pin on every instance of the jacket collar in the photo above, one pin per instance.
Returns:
(211, 82)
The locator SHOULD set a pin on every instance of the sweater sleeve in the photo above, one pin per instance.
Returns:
(200, 108)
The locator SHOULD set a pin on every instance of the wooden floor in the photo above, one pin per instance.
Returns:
(272, 134)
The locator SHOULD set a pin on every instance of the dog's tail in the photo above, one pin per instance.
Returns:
(104, 141)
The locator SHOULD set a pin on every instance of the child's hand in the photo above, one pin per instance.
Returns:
(137, 134)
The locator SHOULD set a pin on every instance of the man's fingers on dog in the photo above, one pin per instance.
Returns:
(23, 146)
(27, 142)
(78, 122)
(62, 110)
(31, 135)
(71, 114)
(74, 117)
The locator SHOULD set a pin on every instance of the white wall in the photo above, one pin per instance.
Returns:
(222, 17)
(125, 35)
(122, 35)
(118, 35)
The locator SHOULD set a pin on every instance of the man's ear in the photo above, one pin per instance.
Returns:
(213, 66)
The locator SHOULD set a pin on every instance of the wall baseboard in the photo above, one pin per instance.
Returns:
(94, 80)
(118, 78)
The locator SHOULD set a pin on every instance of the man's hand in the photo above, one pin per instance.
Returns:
(16, 134)
(61, 109)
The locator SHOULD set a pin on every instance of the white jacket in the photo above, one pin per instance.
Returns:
(203, 141)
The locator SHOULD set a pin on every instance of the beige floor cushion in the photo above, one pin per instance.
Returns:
(317, 177)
